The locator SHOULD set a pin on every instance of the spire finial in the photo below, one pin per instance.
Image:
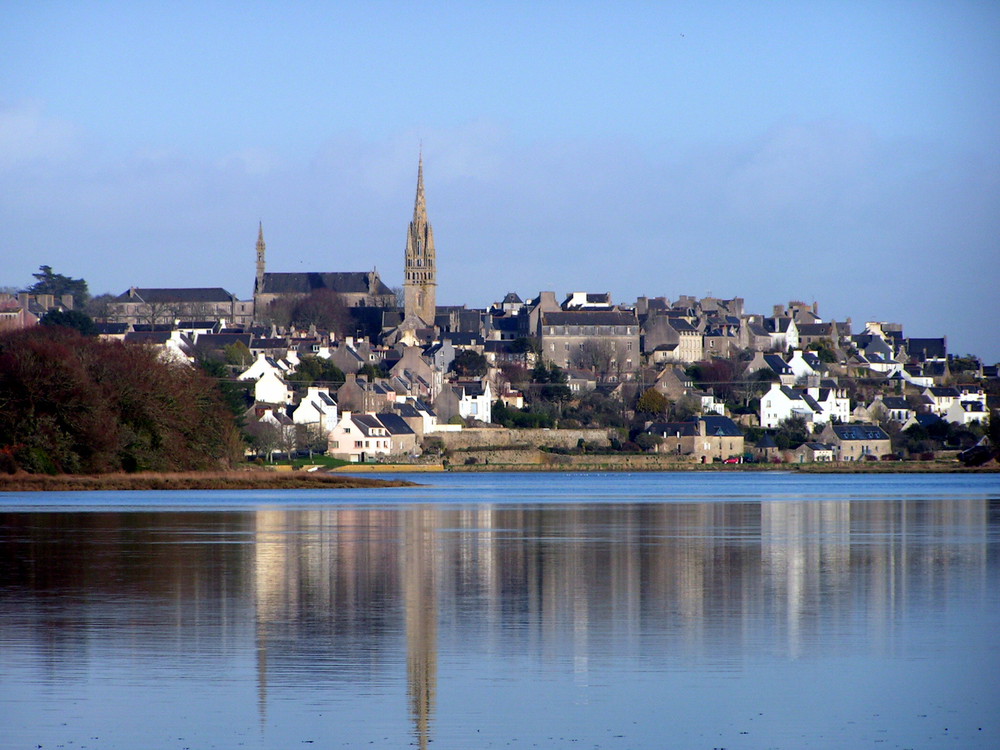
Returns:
(420, 204)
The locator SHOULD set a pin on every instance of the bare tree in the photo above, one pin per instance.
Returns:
(594, 354)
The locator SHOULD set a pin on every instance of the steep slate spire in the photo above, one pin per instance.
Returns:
(259, 286)
(420, 275)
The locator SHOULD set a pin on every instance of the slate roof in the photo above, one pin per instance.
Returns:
(219, 340)
(588, 318)
(192, 294)
(342, 282)
(945, 391)
(147, 337)
(927, 348)
(394, 424)
(463, 338)
(714, 425)
(777, 364)
(859, 432)
(767, 441)
(815, 329)
(895, 402)
(511, 298)
(719, 425)
(681, 326)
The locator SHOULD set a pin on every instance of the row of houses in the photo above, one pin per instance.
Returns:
(711, 438)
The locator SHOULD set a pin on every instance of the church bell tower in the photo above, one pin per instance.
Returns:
(420, 278)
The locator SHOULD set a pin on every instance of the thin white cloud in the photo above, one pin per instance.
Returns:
(28, 135)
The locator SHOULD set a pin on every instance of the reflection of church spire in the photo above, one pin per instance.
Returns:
(420, 596)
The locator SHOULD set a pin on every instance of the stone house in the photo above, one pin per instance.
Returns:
(666, 338)
(813, 452)
(705, 438)
(856, 442)
(153, 305)
(604, 341)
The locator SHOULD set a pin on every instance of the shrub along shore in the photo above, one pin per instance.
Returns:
(194, 480)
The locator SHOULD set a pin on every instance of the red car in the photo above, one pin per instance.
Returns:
(732, 460)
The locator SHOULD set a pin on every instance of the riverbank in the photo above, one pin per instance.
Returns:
(228, 480)
(893, 467)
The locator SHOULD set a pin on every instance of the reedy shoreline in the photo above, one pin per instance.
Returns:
(192, 480)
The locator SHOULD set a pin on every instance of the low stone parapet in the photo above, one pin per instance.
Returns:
(502, 437)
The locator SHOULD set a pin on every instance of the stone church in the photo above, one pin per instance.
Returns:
(365, 288)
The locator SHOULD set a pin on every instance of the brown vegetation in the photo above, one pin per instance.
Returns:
(229, 480)
(76, 404)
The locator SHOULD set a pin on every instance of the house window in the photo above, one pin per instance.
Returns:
(357, 444)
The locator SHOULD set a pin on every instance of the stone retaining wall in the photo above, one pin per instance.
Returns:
(486, 438)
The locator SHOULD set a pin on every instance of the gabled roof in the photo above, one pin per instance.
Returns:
(719, 425)
(588, 318)
(394, 424)
(366, 423)
(926, 348)
(767, 441)
(681, 326)
(859, 432)
(342, 282)
(895, 402)
(714, 425)
(147, 337)
(193, 294)
(777, 364)
(945, 392)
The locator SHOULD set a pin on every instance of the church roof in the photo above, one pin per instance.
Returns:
(342, 282)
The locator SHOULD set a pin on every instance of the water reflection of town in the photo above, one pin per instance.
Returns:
(590, 584)
(339, 595)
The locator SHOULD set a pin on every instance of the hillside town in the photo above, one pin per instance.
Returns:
(340, 363)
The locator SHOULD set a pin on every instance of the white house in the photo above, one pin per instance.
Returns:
(818, 405)
(966, 412)
(271, 388)
(316, 407)
(803, 366)
(359, 437)
(475, 399)
(942, 398)
(263, 364)
(783, 402)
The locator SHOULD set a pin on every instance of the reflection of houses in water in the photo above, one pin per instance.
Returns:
(658, 580)
(805, 550)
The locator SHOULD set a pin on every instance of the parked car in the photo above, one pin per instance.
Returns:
(732, 460)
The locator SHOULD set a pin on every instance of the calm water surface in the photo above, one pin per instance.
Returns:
(519, 610)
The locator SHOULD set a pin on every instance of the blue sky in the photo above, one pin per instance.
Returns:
(844, 152)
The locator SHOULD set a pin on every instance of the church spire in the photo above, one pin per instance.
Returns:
(420, 204)
(259, 286)
(420, 274)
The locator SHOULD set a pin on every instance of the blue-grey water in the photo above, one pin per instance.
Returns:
(694, 610)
